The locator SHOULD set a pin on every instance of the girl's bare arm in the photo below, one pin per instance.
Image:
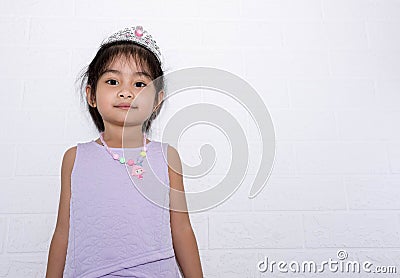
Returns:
(59, 242)
(184, 240)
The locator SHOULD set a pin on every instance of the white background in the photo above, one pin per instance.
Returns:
(328, 71)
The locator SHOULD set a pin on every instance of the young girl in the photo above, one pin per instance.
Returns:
(115, 219)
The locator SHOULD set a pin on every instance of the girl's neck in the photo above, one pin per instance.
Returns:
(116, 140)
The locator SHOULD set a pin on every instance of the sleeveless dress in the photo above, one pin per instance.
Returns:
(120, 225)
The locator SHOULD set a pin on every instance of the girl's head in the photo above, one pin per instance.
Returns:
(105, 88)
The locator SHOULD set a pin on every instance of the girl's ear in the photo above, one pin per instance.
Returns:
(88, 98)
(160, 97)
(156, 108)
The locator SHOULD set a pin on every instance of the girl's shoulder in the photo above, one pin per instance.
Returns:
(173, 158)
(70, 154)
(69, 159)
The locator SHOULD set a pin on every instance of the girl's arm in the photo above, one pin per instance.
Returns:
(184, 240)
(59, 242)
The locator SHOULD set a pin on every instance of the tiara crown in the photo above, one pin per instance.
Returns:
(138, 35)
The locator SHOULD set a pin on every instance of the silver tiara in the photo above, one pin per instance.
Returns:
(138, 35)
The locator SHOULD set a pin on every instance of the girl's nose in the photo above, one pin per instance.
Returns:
(127, 93)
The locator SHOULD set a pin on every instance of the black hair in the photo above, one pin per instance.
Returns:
(107, 53)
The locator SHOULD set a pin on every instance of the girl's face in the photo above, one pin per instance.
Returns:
(124, 84)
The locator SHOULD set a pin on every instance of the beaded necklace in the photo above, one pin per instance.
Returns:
(137, 169)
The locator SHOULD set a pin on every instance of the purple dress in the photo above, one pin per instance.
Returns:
(119, 224)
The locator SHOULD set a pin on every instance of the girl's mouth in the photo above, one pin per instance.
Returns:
(125, 107)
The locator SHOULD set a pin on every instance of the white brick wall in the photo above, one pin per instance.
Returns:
(328, 71)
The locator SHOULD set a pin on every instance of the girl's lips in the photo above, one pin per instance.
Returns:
(125, 107)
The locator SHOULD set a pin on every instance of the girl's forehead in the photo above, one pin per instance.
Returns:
(122, 62)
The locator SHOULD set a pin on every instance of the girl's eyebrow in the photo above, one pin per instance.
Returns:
(140, 73)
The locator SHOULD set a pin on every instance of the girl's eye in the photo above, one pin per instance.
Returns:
(113, 82)
(140, 83)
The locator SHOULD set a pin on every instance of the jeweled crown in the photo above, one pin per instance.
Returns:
(138, 35)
